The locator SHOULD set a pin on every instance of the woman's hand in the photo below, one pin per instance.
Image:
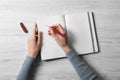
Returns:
(34, 42)
(61, 40)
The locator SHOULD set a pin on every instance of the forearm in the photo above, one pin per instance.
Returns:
(25, 68)
(84, 71)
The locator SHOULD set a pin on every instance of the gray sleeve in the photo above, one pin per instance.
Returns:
(84, 71)
(25, 68)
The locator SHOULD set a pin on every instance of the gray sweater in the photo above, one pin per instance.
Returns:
(84, 71)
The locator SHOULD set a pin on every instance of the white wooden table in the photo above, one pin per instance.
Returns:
(13, 47)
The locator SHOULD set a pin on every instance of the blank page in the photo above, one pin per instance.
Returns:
(78, 31)
(50, 48)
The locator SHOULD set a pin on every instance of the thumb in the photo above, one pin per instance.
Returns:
(34, 29)
(39, 38)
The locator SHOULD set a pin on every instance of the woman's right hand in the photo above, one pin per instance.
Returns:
(62, 41)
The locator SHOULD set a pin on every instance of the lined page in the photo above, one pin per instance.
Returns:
(50, 48)
(78, 31)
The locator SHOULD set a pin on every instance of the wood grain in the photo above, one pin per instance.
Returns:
(13, 47)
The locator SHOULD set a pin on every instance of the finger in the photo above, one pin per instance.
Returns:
(39, 38)
(61, 29)
(48, 32)
(51, 32)
(58, 27)
(54, 25)
(34, 29)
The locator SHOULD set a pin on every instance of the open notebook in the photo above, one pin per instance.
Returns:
(80, 32)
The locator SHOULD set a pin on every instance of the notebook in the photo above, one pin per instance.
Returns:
(80, 32)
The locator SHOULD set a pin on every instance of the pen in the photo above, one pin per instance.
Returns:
(57, 31)
(23, 27)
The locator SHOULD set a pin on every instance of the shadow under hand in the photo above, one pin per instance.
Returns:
(34, 67)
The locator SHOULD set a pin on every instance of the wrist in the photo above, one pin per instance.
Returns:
(66, 48)
(32, 54)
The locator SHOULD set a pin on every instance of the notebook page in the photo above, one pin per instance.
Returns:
(50, 48)
(78, 31)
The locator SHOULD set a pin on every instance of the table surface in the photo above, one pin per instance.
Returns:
(13, 47)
